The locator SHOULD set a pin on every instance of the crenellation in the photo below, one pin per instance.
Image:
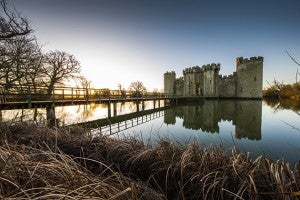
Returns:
(230, 76)
(245, 82)
(170, 73)
(241, 60)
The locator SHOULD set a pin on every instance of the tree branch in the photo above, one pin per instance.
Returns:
(293, 59)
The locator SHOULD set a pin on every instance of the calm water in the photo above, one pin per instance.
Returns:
(259, 127)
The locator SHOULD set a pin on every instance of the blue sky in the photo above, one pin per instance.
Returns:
(121, 41)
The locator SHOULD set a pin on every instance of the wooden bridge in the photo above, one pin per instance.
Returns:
(29, 97)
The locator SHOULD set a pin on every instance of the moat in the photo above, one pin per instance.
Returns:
(262, 128)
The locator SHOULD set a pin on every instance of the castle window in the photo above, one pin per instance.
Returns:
(254, 78)
(210, 81)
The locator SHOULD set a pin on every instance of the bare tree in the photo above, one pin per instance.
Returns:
(137, 88)
(17, 59)
(122, 91)
(35, 70)
(294, 60)
(58, 67)
(12, 24)
(84, 82)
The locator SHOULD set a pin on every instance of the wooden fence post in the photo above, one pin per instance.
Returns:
(72, 97)
(29, 97)
(109, 109)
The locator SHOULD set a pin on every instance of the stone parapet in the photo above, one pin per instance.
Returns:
(241, 60)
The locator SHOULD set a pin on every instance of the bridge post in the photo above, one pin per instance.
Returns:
(115, 109)
(137, 106)
(29, 97)
(109, 109)
(154, 104)
(143, 105)
(72, 97)
(87, 95)
(99, 96)
(63, 93)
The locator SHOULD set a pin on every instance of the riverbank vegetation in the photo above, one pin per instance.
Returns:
(278, 90)
(38, 162)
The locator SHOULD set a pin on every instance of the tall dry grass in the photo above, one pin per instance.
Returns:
(30, 173)
(188, 172)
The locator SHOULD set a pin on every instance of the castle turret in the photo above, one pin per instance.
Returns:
(211, 80)
(169, 83)
(249, 77)
(192, 81)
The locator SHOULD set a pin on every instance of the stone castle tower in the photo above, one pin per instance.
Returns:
(169, 83)
(249, 77)
(205, 81)
(211, 80)
(192, 78)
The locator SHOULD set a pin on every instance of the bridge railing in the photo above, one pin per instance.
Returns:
(29, 93)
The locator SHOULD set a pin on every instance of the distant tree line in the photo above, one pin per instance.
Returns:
(22, 61)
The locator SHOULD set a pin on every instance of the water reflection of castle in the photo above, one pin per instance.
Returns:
(245, 115)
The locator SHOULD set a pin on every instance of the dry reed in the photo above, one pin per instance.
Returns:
(188, 172)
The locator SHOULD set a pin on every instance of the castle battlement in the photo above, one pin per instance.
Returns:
(169, 73)
(197, 69)
(180, 79)
(231, 76)
(245, 82)
(241, 60)
(212, 66)
(190, 70)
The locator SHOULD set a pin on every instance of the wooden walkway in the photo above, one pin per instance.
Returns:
(41, 104)
(17, 98)
(71, 96)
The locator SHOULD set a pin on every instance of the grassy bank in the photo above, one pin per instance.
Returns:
(39, 162)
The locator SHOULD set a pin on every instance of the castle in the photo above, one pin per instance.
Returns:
(205, 81)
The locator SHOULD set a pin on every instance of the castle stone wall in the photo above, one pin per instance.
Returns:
(179, 86)
(188, 84)
(211, 80)
(227, 86)
(192, 78)
(169, 83)
(249, 77)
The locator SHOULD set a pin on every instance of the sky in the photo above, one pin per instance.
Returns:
(122, 41)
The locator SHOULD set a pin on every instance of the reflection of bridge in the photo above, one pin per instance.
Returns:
(122, 122)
